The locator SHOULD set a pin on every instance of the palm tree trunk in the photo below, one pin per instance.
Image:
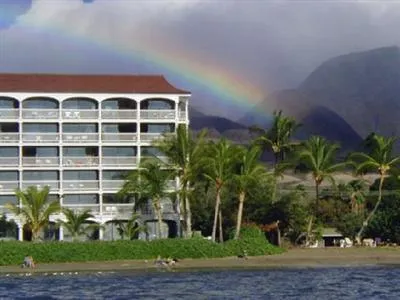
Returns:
(188, 217)
(221, 233)
(242, 196)
(157, 208)
(316, 198)
(372, 213)
(217, 203)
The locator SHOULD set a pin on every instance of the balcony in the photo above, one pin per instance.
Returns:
(8, 186)
(77, 161)
(40, 161)
(79, 138)
(119, 137)
(73, 114)
(9, 137)
(111, 161)
(40, 137)
(54, 185)
(119, 114)
(9, 114)
(80, 185)
(9, 161)
(157, 114)
(118, 210)
(150, 137)
(114, 185)
(79, 208)
(182, 115)
(39, 114)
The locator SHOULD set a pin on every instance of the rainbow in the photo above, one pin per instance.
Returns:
(162, 53)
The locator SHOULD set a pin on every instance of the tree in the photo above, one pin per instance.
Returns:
(278, 137)
(77, 222)
(379, 159)
(129, 229)
(357, 191)
(184, 153)
(218, 166)
(35, 208)
(150, 182)
(250, 171)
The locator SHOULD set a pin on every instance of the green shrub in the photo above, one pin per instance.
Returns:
(12, 253)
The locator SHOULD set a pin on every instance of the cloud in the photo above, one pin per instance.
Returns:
(11, 9)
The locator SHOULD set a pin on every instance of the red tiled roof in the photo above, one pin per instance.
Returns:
(57, 83)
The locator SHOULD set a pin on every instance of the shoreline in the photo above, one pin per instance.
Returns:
(293, 258)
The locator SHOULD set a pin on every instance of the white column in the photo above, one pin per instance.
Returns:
(101, 233)
(61, 233)
(20, 232)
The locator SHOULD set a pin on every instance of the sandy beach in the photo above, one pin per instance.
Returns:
(292, 258)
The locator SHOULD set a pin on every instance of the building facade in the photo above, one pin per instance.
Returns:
(80, 134)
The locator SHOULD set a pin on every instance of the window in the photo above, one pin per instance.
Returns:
(40, 127)
(81, 175)
(157, 104)
(157, 128)
(81, 199)
(119, 128)
(8, 103)
(40, 175)
(9, 176)
(40, 102)
(80, 128)
(40, 151)
(80, 151)
(151, 151)
(118, 103)
(8, 151)
(9, 127)
(119, 151)
(79, 103)
(115, 175)
(4, 199)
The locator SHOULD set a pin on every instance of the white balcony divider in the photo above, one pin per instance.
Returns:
(39, 113)
(76, 161)
(40, 137)
(54, 185)
(157, 114)
(77, 114)
(119, 137)
(149, 137)
(9, 114)
(80, 138)
(80, 185)
(9, 137)
(114, 185)
(116, 161)
(9, 161)
(40, 161)
(8, 186)
(118, 114)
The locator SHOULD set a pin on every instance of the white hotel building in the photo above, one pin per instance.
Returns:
(80, 134)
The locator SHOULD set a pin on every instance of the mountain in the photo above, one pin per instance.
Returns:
(345, 98)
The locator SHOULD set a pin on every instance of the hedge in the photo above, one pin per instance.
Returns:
(12, 253)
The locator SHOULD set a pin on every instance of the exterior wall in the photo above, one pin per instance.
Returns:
(80, 181)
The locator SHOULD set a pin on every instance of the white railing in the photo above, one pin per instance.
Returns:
(112, 184)
(79, 208)
(54, 185)
(8, 186)
(40, 137)
(80, 185)
(9, 137)
(80, 138)
(9, 161)
(111, 161)
(119, 114)
(182, 115)
(74, 114)
(118, 210)
(77, 161)
(157, 114)
(7, 114)
(40, 161)
(39, 113)
(171, 185)
(119, 137)
(149, 137)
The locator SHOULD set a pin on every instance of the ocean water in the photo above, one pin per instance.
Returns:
(299, 283)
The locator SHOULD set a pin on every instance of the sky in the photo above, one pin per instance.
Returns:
(229, 53)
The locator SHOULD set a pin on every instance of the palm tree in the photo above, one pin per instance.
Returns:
(356, 190)
(34, 209)
(129, 229)
(184, 154)
(77, 222)
(218, 166)
(250, 172)
(278, 137)
(379, 159)
(150, 182)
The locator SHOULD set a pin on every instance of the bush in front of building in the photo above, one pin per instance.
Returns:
(12, 253)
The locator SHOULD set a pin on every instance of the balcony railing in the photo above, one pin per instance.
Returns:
(9, 161)
(36, 113)
(157, 114)
(9, 114)
(119, 114)
(118, 210)
(79, 208)
(9, 137)
(77, 161)
(54, 185)
(8, 186)
(112, 184)
(40, 137)
(111, 161)
(80, 185)
(171, 185)
(80, 138)
(150, 137)
(40, 161)
(73, 114)
(119, 137)
(182, 115)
